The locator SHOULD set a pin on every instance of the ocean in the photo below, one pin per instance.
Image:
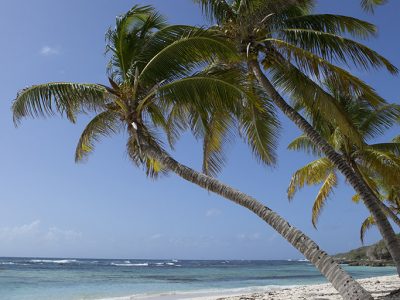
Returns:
(124, 279)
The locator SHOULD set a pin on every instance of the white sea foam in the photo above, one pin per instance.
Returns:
(130, 265)
(50, 261)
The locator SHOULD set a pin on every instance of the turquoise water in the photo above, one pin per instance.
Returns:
(73, 279)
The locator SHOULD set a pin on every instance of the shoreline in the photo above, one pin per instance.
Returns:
(380, 287)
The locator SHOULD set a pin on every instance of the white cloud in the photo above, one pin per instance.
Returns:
(34, 231)
(212, 213)
(17, 232)
(47, 51)
(155, 236)
(249, 237)
(57, 234)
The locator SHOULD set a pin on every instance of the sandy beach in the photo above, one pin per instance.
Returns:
(380, 287)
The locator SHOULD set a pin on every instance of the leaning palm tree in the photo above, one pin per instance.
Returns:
(163, 80)
(297, 50)
(377, 163)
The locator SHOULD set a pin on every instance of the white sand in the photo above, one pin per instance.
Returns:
(380, 287)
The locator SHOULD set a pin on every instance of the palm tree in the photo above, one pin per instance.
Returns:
(297, 50)
(161, 81)
(378, 164)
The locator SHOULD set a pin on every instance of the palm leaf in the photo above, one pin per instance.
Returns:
(201, 92)
(191, 51)
(335, 24)
(104, 124)
(369, 5)
(303, 143)
(126, 40)
(217, 133)
(153, 167)
(58, 97)
(309, 94)
(387, 165)
(367, 224)
(322, 70)
(260, 126)
(377, 121)
(216, 10)
(333, 47)
(313, 173)
(323, 194)
(387, 147)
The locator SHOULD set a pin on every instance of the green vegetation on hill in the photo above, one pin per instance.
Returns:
(373, 255)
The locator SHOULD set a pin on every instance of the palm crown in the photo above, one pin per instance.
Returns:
(299, 51)
(163, 79)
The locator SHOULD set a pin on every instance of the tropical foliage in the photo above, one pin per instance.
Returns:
(299, 51)
(369, 5)
(377, 163)
(163, 80)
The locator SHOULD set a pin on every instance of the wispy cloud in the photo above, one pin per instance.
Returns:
(57, 234)
(212, 213)
(34, 231)
(17, 232)
(156, 236)
(47, 51)
(249, 237)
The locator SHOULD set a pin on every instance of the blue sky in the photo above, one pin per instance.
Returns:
(108, 208)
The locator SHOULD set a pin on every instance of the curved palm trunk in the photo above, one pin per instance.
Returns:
(348, 288)
(370, 200)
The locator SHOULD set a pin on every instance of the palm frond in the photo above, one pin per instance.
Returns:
(326, 189)
(217, 134)
(153, 167)
(303, 143)
(58, 97)
(216, 10)
(335, 24)
(369, 5)
(309, 94)
(336, 48)
(367, 224)
(322, 70)
(104, 124)
(387, 147)
(126, 40)
(201, 92)
(376, 121)
(387, 165)
(260, 127)
(313, 173)
(191, 51)
(177, 122)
